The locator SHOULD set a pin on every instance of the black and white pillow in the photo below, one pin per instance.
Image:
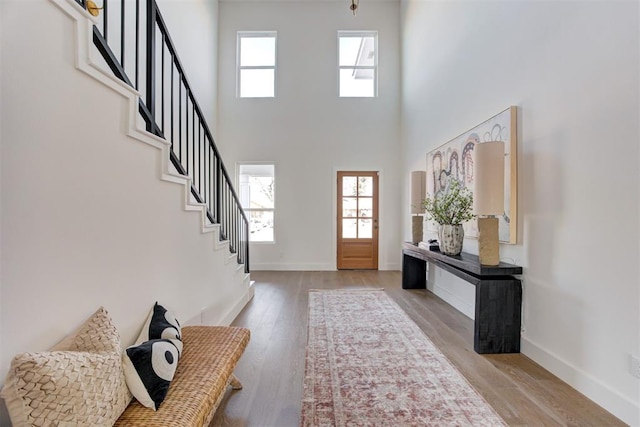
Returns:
(150, 364)
(161, 324)
(149, 368)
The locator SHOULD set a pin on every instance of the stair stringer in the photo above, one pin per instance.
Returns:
(86, 62)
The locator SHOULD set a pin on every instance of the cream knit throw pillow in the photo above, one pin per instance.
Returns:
(79, 383)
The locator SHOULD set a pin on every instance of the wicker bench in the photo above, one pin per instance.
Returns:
(204, 372)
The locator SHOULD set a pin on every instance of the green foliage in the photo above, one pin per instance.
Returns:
(452, 206)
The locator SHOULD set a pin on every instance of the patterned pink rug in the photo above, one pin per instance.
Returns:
(369, 364)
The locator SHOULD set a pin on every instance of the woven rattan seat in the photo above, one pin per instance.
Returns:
(205, 370)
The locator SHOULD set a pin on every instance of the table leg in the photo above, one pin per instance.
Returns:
(498, 316)
(414, 273)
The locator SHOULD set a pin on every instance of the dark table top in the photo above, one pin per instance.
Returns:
(465, 261)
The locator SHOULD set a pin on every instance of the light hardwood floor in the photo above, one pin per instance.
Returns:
(272, 368)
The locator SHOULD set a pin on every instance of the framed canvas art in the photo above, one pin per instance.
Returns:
(454, 161)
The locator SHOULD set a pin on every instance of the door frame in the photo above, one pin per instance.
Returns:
(334, 211)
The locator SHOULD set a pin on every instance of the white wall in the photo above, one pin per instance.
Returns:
(85, 219)
(307, 131)
(1, 203)
(572, 70)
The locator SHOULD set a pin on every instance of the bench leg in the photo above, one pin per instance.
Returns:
(235, 383)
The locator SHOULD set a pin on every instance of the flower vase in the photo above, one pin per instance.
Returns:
(451, 237)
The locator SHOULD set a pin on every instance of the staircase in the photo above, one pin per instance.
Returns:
(128, 48)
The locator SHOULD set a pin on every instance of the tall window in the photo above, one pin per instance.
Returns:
(256, 60)
(257, 195)
(358, 63)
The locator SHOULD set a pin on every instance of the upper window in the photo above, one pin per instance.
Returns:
(257, 196)
(256, 64)
(358, 63)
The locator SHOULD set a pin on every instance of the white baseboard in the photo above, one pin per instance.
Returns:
(283, 266)
(620, 406)
(390, 266)
(209, 316)
(233, 312)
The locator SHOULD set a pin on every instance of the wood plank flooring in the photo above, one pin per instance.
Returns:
(272, 368)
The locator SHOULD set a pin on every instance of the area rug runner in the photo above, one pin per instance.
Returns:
(369, 364)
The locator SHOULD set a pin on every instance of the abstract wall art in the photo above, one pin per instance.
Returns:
(454, 161)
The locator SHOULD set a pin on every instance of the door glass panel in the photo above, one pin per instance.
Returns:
(365, 207)
(349, 186)
(349, 206)
(365, 186)
(349, 229)
(365, 229)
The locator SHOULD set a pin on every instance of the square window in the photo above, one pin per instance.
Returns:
(256, 64)
(257, 195)
(357, 63)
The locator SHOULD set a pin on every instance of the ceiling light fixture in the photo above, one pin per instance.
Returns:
(354, 6)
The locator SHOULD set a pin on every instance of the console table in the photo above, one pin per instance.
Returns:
(498, 294)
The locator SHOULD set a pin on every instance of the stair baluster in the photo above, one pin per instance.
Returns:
(193, 150)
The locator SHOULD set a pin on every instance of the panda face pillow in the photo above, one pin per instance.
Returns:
(150, 364)
(160, 324)
(149, 368)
